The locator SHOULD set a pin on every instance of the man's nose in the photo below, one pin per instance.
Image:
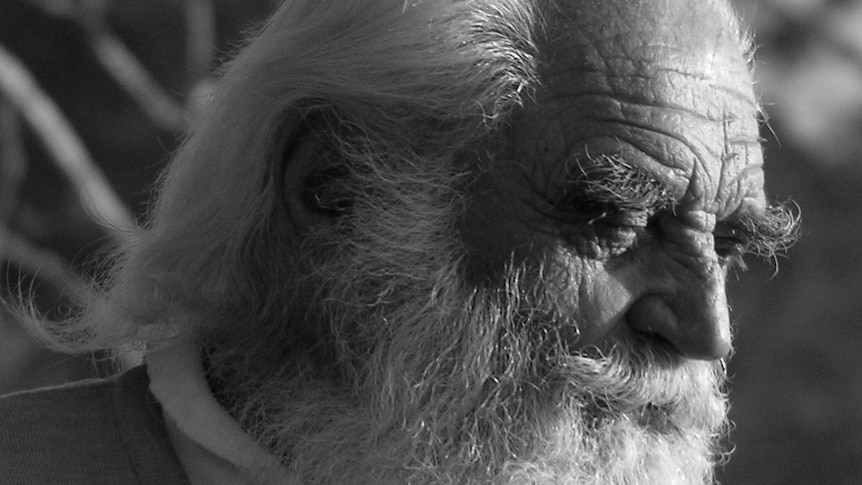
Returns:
(693, 316)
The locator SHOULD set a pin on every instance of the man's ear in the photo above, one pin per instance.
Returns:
(314, 176)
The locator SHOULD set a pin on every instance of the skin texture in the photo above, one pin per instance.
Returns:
(500, 261)
(543, 314)
(463, 242)
(651, 85)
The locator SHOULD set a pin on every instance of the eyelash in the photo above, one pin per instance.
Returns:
(731, 245)
(608, 225)
(619, 228)
(581, 210)
(731, 252)
(606, 233)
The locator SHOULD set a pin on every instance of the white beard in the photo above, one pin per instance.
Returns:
(329, 435)
(426, 380)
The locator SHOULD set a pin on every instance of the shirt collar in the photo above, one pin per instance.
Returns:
(178, 383)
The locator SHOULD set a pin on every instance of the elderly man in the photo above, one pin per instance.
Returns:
(434, 241)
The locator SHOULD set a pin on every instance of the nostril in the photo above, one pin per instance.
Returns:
(650, 315)
(653, 339)
(662, 350)
(691, 338)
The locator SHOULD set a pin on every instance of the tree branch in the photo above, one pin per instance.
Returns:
(61, 141)
(13, 158)
(118, 61)
(125, 68)
(200, 36)
(46, 265)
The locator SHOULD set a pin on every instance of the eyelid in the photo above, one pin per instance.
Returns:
(772, 232)
(629, 218)
(732, 231)
(581, 210)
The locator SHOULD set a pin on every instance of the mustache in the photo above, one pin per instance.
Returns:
(412, 369)
(527, 351)
(645, 380)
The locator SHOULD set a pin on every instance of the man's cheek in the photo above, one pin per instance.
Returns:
(590, 301)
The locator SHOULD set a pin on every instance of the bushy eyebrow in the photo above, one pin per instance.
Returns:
(607, 185)
(610, 184)
(771, 232)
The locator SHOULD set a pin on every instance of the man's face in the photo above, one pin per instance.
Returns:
(630, 176)
(556, 314)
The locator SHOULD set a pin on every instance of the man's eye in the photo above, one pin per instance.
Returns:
(731, 245)
(622, 224)
(600, 228)
(727, 247)
(615, 232)
(610, 218)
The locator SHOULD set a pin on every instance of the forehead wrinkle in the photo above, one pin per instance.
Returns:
(622, 41)
(741, 164)
(717, 184)
(725, 142)
(626, 78)
(590, 85)
(655, 153)
(695, 183)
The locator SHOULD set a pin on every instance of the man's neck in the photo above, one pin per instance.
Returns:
(211, 446)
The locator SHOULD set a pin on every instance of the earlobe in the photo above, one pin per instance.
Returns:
(313, 179)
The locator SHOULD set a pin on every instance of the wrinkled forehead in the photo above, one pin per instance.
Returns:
(662, 84)
(644, 40)
(702, 26)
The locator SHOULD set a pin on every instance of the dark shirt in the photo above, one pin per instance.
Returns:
(108, 431)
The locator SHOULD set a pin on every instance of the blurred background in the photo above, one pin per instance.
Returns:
(95, 94)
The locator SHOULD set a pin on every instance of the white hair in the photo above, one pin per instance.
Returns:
(363, 339)
(412, 78)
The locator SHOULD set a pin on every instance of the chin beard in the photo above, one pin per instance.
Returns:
(598, 420)
(395, 370)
